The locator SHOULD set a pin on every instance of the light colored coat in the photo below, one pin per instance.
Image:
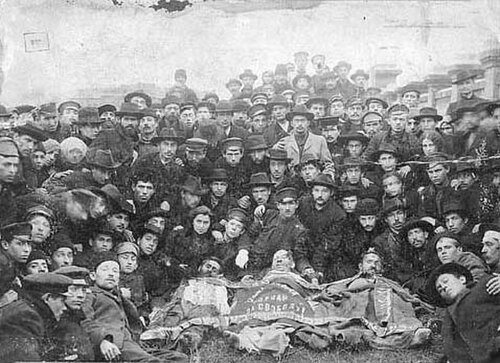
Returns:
(315, 145)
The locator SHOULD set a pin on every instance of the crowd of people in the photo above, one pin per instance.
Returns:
(105, 211)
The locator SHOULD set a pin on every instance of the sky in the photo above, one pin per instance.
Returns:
(93, 44)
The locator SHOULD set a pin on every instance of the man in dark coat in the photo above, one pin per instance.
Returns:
(470, 326)
(232, 160)
(26, 325)
(9, 166)
(88, 124)
(278, 107)
(465, 84)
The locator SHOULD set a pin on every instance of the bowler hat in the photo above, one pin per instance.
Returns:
(101, 158)
(299, 110)
(168, 133)
(464, 75)
(139, 93)
(359, 72)
(32, 130)
(416, 223)
(240, 106)
(47, 282)
(377, 100)
(448, 268)
(196, 144)
(286, 193)
(248, 73)
(68, 104)
(277, 100)
(224, 106)
(259, 180)
(16, 230)
(255, 142)
(356, 135)
(455, 206)
(8, 147)
(88, 115)
(280, 155)
(217, 175)
(347, 190)
(257, 110)
(428, 112)
(193, 185)
(129, 109)
(385, 148)
(324, 180)
(367, 207)
(315, 100)
(106, 108)
(150, 112)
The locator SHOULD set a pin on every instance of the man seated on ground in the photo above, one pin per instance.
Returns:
(112, 320)
(470, 326)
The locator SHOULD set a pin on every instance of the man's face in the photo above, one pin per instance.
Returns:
(234, 88)
(449, 286)
(321, 195)
(139, 101)
(210, 268)
(143, 191)
(301, 62)
(354, 148)
(234, 228)
(239, 118)
(204, 114)
(372, 127)
(194, 157)
(128, 262)
(168, 149)
(447, 128)
(371, 265)
(148, 243)
(448, 250)
(190, 200)
(38, 159)
(466, 88)
(349, 203)
(354, 112)
(465, 179)
(218, 188)
(343, 72)
(76, 298)
(8, 168)
(428, 124)
(496, 117)
(303, 84)
(90, 130)
(201, 223)
(41, 229)
(396, 219)
(69, 114)
(491, 248)
(259, 123)
(279, 112)
(376, 106)
(397, 121)
(107, 116)
(277, 168)
(353, 174)
(318, 109)
(417, 237)
(188, 118)
(101, 176)
(392, 186)
(17, 249)
(387, 162)
(330, 83)
(25, 144)
(257, 156)
(410, 99)
(158, 222)
(172, 110)
(181, 80)
(330, 133)
(129, 124)
(282, 261)
(248, 81)
(233, 155)
(107, 275)
(438, 174)
(102, 243)
(37, 266)
(148, 125)
(470, 120)
(337, 108)
(118, 221)
(51, 156)
(412, 126)
(62, 257)
(360, 81)
(368, 222)
(287, 207)
(56, 305)
(261, 195)
(224, 119)
(49, 122)
(308, 172)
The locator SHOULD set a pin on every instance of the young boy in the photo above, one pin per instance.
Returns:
(111, 317)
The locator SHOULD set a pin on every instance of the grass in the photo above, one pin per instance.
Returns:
(217, 350)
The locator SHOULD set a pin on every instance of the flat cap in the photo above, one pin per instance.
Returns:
(8, 147)
(127, 247)
(232, 142)
(196, 144)
(47, 282)
(286, 193)
(20, 231)
(238, 214)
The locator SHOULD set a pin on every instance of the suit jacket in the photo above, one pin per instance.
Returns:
(315, 145)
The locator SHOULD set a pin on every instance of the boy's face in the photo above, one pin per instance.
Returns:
(233, 155)
(78, 293)
(257, 156)
(119, 221)
(102, 243)
(143, 191)
(128, 262)
(62, 257)
(37, 266)
(18, 250)
(106, 275)
(148, 243)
